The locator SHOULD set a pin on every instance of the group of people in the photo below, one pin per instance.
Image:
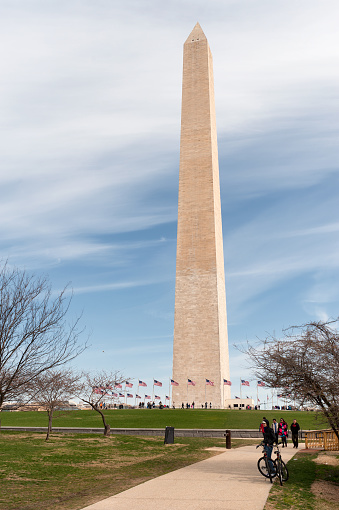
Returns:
(280, 430)
(191, 406)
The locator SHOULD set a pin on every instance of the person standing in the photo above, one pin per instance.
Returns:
(264, 423)
(268, 440)
(282, 432)
(295, 427)
(275, 429)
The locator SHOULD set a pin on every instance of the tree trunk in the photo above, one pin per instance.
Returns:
(49, 428)
(107, 427)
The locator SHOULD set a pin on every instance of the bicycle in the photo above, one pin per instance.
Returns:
(280, 466)
(265, 468)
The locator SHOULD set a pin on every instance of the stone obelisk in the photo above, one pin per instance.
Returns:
(200, 351)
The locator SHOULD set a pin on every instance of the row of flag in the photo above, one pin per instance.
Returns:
(127, 385)
(190, 382)
(208, 382)
(146, 397)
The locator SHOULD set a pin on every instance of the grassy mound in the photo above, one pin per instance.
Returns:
(160, 418)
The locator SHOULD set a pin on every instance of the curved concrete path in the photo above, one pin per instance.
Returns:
(230, 481)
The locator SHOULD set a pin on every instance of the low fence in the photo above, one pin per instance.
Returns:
(213, 433)
(321, 439)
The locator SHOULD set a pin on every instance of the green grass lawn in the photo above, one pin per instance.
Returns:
(304, 472)
(72, 471)
(160, 418)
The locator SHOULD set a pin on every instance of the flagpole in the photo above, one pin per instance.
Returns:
(257, 394)
(187, 391)
(205, 389)
(223, 394)
(240, 395)
(153, 391)
(169, 391)
(137, 393)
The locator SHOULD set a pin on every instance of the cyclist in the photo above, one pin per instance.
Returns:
(269, 439)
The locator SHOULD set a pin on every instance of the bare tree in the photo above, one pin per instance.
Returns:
(52, 390)
(97, 388)
(34, 335)
(303, 366)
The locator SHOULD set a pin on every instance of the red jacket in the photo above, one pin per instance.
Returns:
(282, 429)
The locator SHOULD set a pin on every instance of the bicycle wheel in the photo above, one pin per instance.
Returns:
(279, 471)
(284, 471)
(264, 468)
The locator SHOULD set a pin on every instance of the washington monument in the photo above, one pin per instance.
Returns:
(200, 352)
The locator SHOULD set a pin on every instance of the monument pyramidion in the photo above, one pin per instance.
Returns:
(200, 350)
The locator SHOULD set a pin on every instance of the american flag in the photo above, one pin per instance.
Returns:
(137, 396)
(128, 384)
(190, 382)
(121, 395)
(142, 383)
(147, 397)
(237, 397)
(244, 383)
(114, 394)
(258, 399)
(129, 395)
(167, 398)
(157, 383)
(118, 385)
(108, 387)
(261, 383)
(174, 383)
(279, 396)
(156, 397)
(227, 383)
(210, 383)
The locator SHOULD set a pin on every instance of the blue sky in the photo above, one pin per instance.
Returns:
(90, 128)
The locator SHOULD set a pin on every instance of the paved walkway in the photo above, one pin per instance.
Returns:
(230, 481)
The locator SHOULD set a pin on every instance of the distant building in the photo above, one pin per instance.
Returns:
(239, 403)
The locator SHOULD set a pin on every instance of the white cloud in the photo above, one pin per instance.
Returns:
(90, 125)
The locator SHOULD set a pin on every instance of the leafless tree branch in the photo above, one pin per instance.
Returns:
(96, 388)
(34, 334)
(52, 389)
(303, 366)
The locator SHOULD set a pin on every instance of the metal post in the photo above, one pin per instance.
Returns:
(228, 439)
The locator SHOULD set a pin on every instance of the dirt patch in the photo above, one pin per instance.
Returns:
(327, 458)
(174, 445)
(326, 490)
(18, 478)
(23, 435)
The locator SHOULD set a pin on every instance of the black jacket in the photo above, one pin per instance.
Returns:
(295, 427)
(269, 436)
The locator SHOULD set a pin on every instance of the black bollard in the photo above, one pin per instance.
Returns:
(169, 435)
(228, 439)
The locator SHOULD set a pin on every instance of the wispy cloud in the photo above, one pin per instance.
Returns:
(90, 125)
